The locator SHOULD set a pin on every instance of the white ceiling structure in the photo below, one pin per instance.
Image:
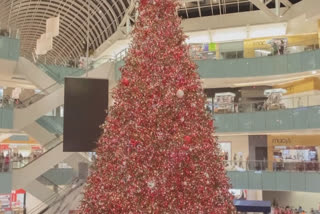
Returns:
(29, 16)
(106, 17)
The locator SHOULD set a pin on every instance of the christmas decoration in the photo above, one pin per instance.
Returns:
(180, 93)
(157, 153)
(125, 81)
(187, 139)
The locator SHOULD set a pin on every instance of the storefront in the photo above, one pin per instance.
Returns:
(233, 100)
(235, 150)
(14, 202)
(200, 51)
(23, 145)
(301, 93)
(270, 46)
(297, 152)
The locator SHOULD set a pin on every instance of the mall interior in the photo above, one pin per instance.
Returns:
(259, 63)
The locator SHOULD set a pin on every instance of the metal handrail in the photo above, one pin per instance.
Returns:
(36, 97)
(51, 199)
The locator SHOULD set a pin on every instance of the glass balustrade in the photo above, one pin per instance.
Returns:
(263, 104)
(264, 165)
(274, 47)
(53, 124)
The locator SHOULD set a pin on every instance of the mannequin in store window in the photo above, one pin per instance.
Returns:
(240, 161)
(235, 160)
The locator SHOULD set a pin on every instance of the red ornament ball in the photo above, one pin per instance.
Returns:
(187, 139)
(143, 2)
(125, 81)
(134, 143)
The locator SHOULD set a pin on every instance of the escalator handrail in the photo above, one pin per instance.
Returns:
(47, 201)
(67, 192)
(59, 141)
(28, 101)
(38, 96)
(61, 68)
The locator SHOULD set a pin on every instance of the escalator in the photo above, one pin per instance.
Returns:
(38, 105)
(31, 109)
(26, 118)
(61, 202)
(27, 170)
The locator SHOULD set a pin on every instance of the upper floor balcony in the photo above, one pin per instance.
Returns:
(291, 113)
(274, 176)
(260, 57)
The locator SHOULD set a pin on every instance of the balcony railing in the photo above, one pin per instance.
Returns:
(264, 165)
(265, 104)
(202, 52)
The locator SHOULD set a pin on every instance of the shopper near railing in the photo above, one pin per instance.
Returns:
(7, 163)
(1, 162)
(4, 32)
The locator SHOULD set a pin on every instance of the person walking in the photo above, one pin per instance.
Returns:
(6, 163)
(240, 161)
(1, 162)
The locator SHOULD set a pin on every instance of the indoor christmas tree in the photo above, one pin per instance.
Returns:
(157, 153)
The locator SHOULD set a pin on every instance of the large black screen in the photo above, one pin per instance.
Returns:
(85, 105)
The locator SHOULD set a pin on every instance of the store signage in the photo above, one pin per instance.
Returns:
(18, 198)
(15, 200)
(35, 147)
(281, 141)
(4, 147)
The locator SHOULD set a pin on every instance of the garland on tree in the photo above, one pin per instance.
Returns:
(157, 153)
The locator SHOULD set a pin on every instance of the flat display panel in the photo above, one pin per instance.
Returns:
(85, 105)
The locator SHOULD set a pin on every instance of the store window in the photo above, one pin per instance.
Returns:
(232, 55)
(298, 158)
(225, 148)
(231, 50)
(224, 102)
(203, 51)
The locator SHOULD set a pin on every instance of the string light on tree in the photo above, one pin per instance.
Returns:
(157, 153)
